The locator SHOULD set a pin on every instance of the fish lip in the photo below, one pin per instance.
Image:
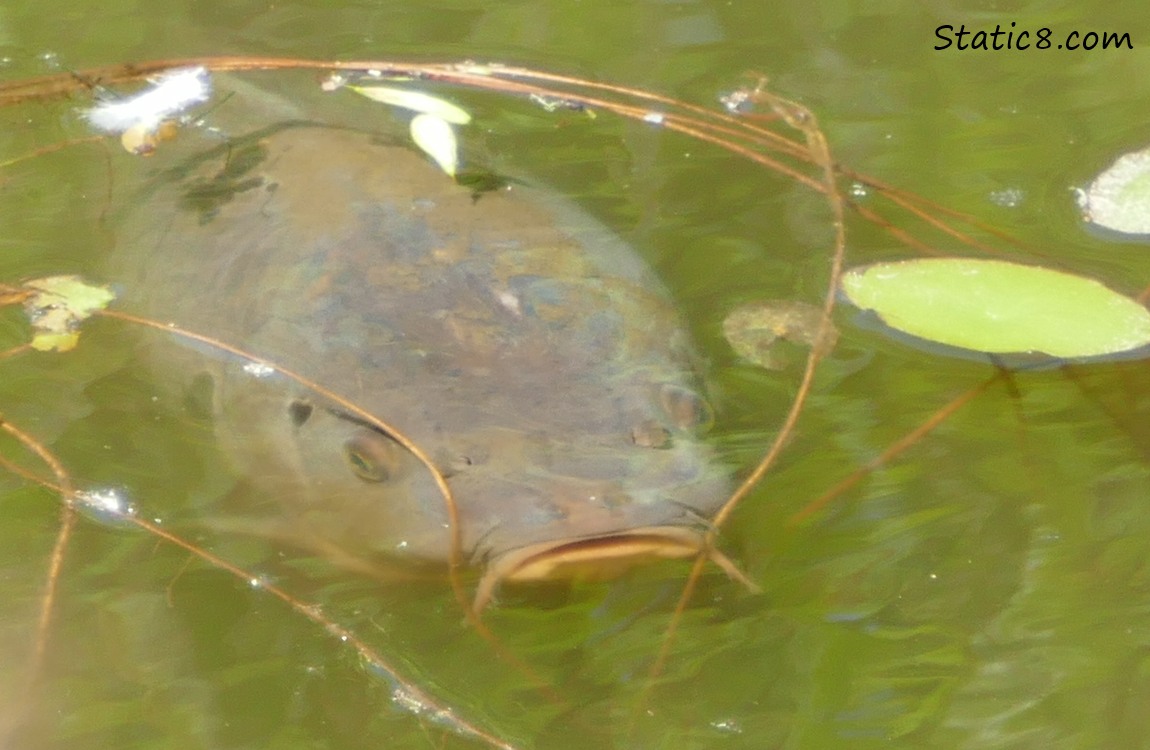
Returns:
(619, 550)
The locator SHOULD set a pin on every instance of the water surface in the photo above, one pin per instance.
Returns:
(987, 589)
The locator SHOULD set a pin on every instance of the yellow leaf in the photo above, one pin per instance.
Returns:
(56, 307)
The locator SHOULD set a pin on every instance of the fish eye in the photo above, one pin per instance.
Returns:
(687, 410)
(371, 456)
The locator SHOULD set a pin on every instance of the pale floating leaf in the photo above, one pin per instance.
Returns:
(1119, 197)
(437, 139)
(998, 307)
(754, 330)
(416, 101)
(57, 306)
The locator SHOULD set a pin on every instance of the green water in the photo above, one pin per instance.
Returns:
(989, 588)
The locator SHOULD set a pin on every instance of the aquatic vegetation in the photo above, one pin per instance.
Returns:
(57, 305)
(754, 330)
(437, 138)
(1118, 198)
(419, 102)
(1000, 308)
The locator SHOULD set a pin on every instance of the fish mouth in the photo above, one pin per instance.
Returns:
(600, 557)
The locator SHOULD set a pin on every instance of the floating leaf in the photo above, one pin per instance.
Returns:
(753, 330)
(416, 101)
(1119, 197)
(437, 138)
(998, 307)
(56, 307)
(142, 140)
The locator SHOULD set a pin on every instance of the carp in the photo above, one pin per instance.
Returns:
(530, 353)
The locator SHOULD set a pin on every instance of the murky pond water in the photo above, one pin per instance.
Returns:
(985, 588)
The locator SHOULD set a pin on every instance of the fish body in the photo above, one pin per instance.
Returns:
(534, 358)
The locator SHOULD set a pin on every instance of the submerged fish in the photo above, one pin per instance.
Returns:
(539, 364)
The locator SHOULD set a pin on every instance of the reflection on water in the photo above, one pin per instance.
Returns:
(984, 588)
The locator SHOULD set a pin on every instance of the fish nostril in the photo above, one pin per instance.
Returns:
(651, 434)
(299, 412)
(612, 499)
(553, 511)
(459, 463)
(687, 410)
(459, 459)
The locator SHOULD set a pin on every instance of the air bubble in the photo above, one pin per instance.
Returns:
(407, 701)
(1008, 197)
(727, 726)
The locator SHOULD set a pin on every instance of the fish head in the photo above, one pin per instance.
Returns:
(590, 503)
(527, 504)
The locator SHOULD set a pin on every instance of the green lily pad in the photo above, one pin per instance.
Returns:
(998, 307)
(1119, 198)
